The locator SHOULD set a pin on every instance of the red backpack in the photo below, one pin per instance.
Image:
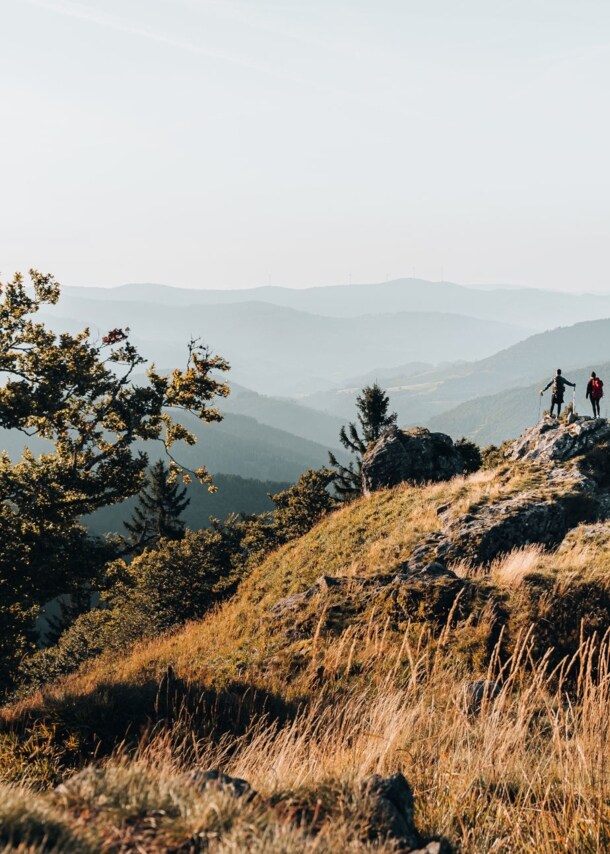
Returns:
(597, 389)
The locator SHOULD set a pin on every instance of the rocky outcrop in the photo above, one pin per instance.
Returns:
(412, 456)
(568, 493)
(500, 528)
(417, 591)
(553, 441)
(487, 532)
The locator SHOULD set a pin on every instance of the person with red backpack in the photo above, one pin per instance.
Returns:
(595, 392)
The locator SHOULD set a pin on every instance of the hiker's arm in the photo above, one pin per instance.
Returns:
(547, 386)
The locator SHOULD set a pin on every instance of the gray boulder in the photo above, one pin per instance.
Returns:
(479, 692)
(413, 456)
(554, 441)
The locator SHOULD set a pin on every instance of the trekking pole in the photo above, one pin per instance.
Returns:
(574, 400)
(539, 407)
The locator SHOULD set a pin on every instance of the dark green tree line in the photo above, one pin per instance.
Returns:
(161, 502)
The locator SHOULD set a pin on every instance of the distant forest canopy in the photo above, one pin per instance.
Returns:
(235, 495)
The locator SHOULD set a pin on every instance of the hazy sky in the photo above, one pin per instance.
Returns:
(214, 143)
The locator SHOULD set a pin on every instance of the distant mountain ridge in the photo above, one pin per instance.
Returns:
(283, 351)
(283, 414)
(530, 307)
(422, 396)
(238, 445)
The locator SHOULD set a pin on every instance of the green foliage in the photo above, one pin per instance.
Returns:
(301, 506)
(471, 454)
(157, 513)
(78, 394)
(493, 455)
(234, 495)
(179, 580)
(373, 419)
(86, 638)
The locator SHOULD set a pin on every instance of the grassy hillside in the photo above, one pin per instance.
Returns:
(364, 673)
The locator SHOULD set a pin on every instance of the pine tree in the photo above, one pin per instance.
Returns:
(372, 413)
(160, 505)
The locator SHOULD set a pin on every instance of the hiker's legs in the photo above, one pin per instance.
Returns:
(595, 408)
(556, 402)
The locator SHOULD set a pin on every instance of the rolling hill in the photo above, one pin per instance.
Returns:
(531, 307)
(283, 414)
(421, 396)
(282, 351)
(238, 445)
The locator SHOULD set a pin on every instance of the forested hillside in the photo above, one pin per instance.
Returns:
(234, 495)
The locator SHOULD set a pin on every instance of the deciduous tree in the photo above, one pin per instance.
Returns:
(78, 394)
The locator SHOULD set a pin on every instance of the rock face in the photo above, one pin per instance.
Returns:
(414, 456)
(479, 692)
(552, 441)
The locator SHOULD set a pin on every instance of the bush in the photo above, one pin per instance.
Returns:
(179, 580)
(470, 454)
(86, 638)
(301, 506)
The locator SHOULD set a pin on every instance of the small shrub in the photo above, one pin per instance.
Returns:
(471, 455)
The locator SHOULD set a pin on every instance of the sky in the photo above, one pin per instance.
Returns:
(236, 143)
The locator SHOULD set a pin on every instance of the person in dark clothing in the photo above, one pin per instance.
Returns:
(558, 384)
(595, 392)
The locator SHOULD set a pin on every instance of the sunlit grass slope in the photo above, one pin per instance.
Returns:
(306, 702)
(245, 643)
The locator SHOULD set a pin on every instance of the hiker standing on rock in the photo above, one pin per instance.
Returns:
(595, 392)
(558, 384)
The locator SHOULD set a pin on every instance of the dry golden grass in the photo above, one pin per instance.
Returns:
(511, 569)
(527, 774)
(530, 772)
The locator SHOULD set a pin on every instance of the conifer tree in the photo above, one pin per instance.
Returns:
(372, 406)
(160, 505)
